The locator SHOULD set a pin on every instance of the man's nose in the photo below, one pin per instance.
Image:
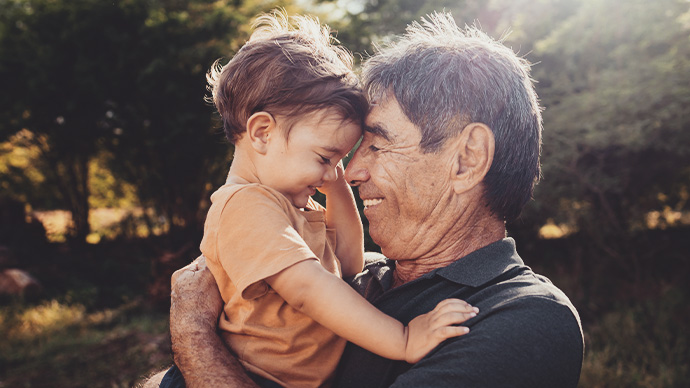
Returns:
(356, 171)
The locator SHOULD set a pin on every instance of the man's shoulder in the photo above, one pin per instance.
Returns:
(533, 284)
(521, 299)
(529, 297)
(528, 290)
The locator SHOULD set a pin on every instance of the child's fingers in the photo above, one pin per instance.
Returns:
(452, 318)
(450, 305)
(446, 332)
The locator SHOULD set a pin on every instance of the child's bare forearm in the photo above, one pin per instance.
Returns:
(342, 214)
(308, 287)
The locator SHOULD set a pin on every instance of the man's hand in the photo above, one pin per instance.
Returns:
(201, 355)
(194, 301)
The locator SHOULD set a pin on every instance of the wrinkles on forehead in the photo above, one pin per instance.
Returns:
(379, 130)
(394, 150)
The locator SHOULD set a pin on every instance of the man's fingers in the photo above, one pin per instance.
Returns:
(189, 267)
(195, 266)
(193, 286)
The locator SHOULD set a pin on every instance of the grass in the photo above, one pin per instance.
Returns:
(59, 345)
(642, 345)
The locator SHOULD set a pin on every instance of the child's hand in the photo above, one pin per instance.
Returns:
(339, 181)
(426, 331)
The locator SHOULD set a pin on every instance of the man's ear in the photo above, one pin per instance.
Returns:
(260, 127)
(474, 153)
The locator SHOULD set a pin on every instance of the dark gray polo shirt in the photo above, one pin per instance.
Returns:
(527, 333)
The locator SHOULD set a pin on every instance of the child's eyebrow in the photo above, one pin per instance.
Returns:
(379, 130)
(332, 150)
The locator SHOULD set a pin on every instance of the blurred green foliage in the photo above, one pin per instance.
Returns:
(122, 82)
(616, 95)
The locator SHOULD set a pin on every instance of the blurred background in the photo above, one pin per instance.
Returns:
(108, 155)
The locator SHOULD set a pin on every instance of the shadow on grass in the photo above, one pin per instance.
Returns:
(59, 345)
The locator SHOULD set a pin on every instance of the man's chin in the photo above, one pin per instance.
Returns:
(374, 233)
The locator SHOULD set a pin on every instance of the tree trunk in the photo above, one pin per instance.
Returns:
(71, 176)
(80, 214)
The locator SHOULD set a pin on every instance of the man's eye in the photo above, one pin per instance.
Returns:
(373, 148)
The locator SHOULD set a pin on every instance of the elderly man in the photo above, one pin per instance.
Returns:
(450, 153)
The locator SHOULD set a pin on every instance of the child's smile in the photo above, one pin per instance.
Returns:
(307, 159)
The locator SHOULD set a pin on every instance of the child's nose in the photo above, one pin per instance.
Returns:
(331, 174)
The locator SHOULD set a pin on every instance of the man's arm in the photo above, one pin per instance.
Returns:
(198, 350)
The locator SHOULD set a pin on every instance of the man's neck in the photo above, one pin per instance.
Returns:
(463, 243)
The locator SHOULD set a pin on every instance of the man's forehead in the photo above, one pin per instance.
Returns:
(387, 120)
(375, 122)
(378, 130)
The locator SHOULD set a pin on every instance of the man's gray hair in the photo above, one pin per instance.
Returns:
(444, 77)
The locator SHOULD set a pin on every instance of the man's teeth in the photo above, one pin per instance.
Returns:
(372, 202)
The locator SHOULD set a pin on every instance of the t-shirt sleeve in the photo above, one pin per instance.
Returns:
(256, 240)
(519, 349)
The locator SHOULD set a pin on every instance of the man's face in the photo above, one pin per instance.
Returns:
(404, 190)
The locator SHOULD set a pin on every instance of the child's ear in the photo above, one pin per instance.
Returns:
(260, 127)
(474, 155)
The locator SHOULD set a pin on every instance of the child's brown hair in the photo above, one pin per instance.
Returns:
(287, 69)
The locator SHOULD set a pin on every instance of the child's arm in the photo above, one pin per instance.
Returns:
(342, 214)
(309, 288)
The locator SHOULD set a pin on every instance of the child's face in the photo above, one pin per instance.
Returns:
(308, 157)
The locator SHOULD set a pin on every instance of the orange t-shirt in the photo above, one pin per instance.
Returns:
(253, 232)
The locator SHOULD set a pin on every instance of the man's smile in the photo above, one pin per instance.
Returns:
(371, 202)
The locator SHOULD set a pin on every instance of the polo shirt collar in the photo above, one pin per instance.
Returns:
(482, 265)
(474, 270)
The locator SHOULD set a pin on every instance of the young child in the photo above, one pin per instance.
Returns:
(292, 106)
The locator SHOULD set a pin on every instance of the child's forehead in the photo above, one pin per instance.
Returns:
(327, 120)
(322, 116)
(329, 132)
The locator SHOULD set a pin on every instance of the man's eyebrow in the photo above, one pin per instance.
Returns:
(378, 130)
